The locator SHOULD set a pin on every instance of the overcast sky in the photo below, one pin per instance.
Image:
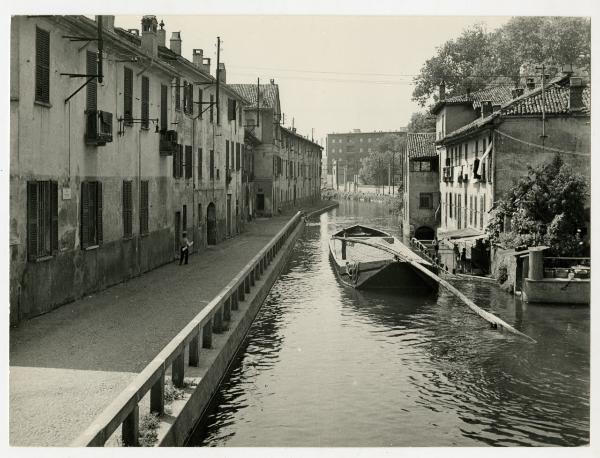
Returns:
(335, 73)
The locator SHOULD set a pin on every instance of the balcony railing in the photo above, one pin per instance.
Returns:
(98, 130)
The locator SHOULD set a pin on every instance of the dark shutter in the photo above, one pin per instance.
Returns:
(144, 207)
(145, 97)
(188, 161)
(199, 163)
(85, 215)
(128, 95)
(92, 86)
(180, 171)
(42, 66)
(99, 212)
(164, 123)
(211, 110)
(237, 156)
(212, 164)
(54, 216)
(127, 209)
(177, 94)
(200, 105)
(184, 216)
(175, 163)
(226, 154)
(32, 219)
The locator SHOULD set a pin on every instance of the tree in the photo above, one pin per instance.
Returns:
(479, 58)
(421, 122)
(546, 208)
(375, 168)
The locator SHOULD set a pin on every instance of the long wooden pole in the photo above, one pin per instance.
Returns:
(489, 317)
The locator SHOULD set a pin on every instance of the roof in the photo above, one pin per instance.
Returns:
(498, 95)
(401, 130)
(556, 102)
(296, 134)
(420, 144)
(269, 94)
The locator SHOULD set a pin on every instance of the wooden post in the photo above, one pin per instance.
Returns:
(207, 335)
(131, 428)
(252, 275)
(178, 369)
(234, 300)
(227, 309)
(536, 263)
(247, 284)
(194, 350)
(242, 291)
(218, 321)
(157, 396)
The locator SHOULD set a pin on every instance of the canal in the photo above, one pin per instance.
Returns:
(325, 365)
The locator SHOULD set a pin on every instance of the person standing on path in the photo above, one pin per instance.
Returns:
(184, 248)
(463, 260)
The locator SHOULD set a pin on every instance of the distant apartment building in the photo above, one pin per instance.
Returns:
(114, 153)
(350, 147)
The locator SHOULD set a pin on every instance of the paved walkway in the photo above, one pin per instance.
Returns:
(68, 365)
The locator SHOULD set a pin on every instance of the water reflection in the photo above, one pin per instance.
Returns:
(326, 365)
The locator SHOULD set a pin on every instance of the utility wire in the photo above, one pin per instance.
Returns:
(536, 145)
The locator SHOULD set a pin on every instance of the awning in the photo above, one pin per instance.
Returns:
(461, 233)
(483, 158)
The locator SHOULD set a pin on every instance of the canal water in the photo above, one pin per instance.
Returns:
(325, 365)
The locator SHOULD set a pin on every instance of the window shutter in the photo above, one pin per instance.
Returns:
(188, 161)
(226, 154)
(54, 215)
(199, 163)
(99, 212)
(145, 97)
(32, 219)
(180, 171)
(42, 66)
(128, 95)
(177, 94)
(237, 156)
(163, 107)
(85, 215)
(200, 106)
(175, 163)
(92, 86)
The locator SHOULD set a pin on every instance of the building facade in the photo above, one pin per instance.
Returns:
(483, 159)
(350, 147)
(104, 177)
(287, 171)
(421, 187)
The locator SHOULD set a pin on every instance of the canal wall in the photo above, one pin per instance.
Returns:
(186, 413)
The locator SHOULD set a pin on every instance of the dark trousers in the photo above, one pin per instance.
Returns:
(183, 253)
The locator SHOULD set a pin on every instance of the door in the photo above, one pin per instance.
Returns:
(229, 219)
(260, 203)
(211, 224)
(177, 226)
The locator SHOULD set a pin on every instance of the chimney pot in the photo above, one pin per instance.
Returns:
(149, 38)
(135, 32)
(197, 57)
(486, 108)
(576, 94)
(222, 73)
(206, 64)
(176, 43)
(161, 34)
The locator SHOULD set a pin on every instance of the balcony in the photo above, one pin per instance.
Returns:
(98, 130)
(168, 142)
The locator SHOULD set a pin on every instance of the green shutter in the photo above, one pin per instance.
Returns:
(85, 215)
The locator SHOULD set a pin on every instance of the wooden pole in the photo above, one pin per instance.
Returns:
(489, 317)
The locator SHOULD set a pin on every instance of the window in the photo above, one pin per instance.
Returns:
(92, 87)
(177, 93)
(199, 164)
(471, 210)
(450, 205)
(145, 97)
(211, 110)
(231, 109)
(42, 218)
(42, 66)
(91, 213)
(164, 113)
(475, 212)
(482, 211)
(226, 154)
(143, 207)
(200, 99)
(184, 216)
(190, 99)
(237, 156)
(426, 200)
(420, 165)
(188, 161)
(127, 210)
(128, 96)
(211, 164)
(199, 215)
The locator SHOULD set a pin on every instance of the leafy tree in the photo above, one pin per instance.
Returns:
(375, 167)
(546, 207)
(421, 122)
(479, 58)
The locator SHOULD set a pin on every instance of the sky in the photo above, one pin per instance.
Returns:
(335, 73)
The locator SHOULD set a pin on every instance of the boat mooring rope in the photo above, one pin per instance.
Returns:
(489, 317)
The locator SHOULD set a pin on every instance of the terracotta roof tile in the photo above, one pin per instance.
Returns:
(269, 94)
(496, 94)
(420, 144)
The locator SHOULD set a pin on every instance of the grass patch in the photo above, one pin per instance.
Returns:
(148, 435)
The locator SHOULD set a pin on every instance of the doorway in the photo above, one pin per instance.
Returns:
(260, 203)
(211, 224)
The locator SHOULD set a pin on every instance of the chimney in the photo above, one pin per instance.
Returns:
(272, 81)
(161, 34)
(206, 64)
(576, 87)
(222, 73)
(517, 92)
(149, 38)
(108, 22)
(486, 108)
(530, 83)
(442, 90)
(197, 57)
(135, 32)
(176, 43)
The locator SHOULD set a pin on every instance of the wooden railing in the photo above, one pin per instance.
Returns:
(124, 410)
